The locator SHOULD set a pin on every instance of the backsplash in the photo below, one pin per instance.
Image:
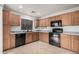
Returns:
(71, 29)
(15, 28)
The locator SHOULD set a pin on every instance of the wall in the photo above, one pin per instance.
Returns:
(1, 30)
(71, 29)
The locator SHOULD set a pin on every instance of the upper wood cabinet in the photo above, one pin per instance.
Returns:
(36, 23)
(44, 22)
(6, 17)
(70, 18)
(44, 37)
(15, 20)
(12, 41)
(47, 22)
(75, 18)
(66, 19)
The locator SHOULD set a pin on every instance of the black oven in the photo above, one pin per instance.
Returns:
(54, 36)
(57, 23)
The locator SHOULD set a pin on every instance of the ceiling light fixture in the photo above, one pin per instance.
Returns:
(20, 6)
(33, 11)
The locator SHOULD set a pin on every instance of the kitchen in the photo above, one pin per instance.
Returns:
(61, 29)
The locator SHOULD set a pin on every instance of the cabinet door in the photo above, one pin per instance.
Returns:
(42, 23)
(47, 23)
(6, 16)
(44, 37)
(35, 36)
(66, 19)
(75, 43)
(29, 37)
(36, 23)
(14, 20)
(75, 18)
(66, 41)
(59, 17)
(52, 18)
(12, 40)
(6, 37)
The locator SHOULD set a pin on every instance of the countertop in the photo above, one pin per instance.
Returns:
(20, 32)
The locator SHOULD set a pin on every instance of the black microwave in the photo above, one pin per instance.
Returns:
(57, 23)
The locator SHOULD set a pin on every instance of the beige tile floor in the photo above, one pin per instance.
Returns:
(38, 48)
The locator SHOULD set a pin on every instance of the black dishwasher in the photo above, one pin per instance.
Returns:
(20, 40)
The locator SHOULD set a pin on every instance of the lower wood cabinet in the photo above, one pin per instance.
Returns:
(28, 37)
(12, 41)
(75, 43)
(31, 37)
(70, 42)
(6, 37)
(35, 36)
(66, 41)
(44, 37)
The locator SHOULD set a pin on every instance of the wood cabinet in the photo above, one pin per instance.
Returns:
(6, 29)
(47, 22)
(28, 37)
(6, 37)
(44, 22)
(6, 17)
(36, 23)
(66, 41)
(35, 36)
(75, 18)
(75, 43)
(14, 20)
(70, 42)
(44, 37)
(31, 37)
(66, 19)
(12, 41)
(70, 18)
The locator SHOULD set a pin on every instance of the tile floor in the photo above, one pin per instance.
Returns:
(38, 48)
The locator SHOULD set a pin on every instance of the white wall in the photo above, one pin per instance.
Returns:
(1, 30)
(71, 29)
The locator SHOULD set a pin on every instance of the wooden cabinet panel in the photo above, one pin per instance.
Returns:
(6, 16)
(36, 23)
(35, 36)
(70, 42)
(47, 23)
(14, 20)
(44, 37)
(75, 18)
(12, 41)
(42, 23)
(29, 37)
(59, 17)
(6, 37)
(66, 19)
(53, 18)
(75, 43)
(66, 41)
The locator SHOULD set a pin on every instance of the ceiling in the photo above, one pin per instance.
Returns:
(39, 10)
